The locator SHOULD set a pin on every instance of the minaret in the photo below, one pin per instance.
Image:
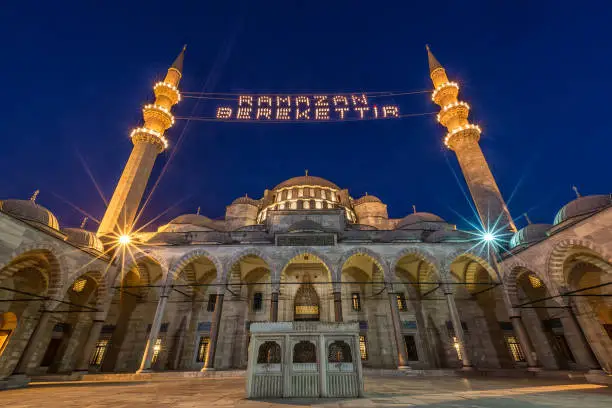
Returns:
(149, 141)
(462, 138)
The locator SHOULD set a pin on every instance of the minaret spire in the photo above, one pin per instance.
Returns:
(462, 138)
(149, 141)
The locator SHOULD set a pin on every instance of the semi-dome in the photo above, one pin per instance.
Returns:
(307, 181)
(305, 226)
(83, 238)
(420, 220)
(246, 200)
(366, 199)
(582, 206)
(530, 234)
(195, 219)
(28, 210)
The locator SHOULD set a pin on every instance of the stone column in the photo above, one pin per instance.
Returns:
(338, 305)
(402, 355)
(574, 326)
(322, 367)
(33, 342)
(525, 341)
(456, 320)
(209, 364)
(145, 365)
(92, 338)
(274, 307)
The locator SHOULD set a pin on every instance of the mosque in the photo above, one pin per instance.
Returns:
(76, 302)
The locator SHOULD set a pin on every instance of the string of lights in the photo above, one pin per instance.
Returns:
(307, 93)
(354, 119)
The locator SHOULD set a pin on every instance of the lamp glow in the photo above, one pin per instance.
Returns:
(124, 239)
(488, 237)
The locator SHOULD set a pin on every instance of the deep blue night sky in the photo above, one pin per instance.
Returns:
(537, 75)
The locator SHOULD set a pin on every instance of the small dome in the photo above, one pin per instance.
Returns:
(582, 206)
(195, 219)
(420, 220)
(246, 200)
(448, 235)
(305, 226)
(366, 199)
(28, 210)
(530, 234)
(83, 238)
(307, 181)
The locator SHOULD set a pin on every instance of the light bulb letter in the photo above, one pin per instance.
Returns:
(283, 107)
(245, 107)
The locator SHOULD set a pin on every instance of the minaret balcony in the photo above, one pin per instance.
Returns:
(146, 135)
(159, 114)
(466, 133)
(167, 90)
(454, 112)
(445, 93)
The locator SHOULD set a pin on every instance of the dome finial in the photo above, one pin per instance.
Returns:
(576, 191)
(527, 218)
(198, 212)
(366, 193)
(178, 62)
(34, 196)
(246, 195)
(433, 62)
(414, 208)
(84, 222)
(306, 171)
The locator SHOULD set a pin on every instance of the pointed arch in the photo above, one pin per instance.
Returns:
(191, 256)
(376, 258)
(329, 265)
(416, 252)
(562, 250)
(512, 274)
(54, 274)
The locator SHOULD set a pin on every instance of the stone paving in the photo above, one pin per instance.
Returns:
(380, 392)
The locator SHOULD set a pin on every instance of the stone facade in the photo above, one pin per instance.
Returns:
(186, 299)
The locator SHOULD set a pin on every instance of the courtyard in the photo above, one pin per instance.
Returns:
(380, 392)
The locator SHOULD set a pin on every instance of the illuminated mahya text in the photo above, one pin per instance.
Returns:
(305, 107)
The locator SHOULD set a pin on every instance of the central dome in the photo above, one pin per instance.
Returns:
(307, 181)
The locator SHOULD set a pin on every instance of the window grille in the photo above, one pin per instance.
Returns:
(258, 301)
(203, 348)
(515, 349)
(269, 353)
(411, 348)
(304, 352)
(356, 302)
(98, 353)
(156, 350)
(401, 302)
(363, 347)
(212, 301)
(339, 352)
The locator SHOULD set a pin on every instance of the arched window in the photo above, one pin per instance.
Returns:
(312, 192)
(339, 352)
(304, 352)
(306, 205)
(282, 206)
(289, 194)
(269, 353)
(294, 205)
(300, 192)
(319, 205)
(323, 194)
